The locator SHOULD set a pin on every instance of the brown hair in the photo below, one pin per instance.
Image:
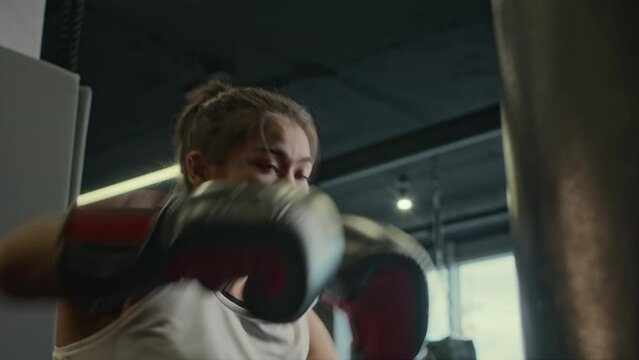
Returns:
(218, 117)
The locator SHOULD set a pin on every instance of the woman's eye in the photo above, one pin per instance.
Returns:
(271, 167)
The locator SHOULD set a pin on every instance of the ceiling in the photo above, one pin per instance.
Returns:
(396, 87)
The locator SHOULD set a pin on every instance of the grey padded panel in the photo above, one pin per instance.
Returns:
(82, 124)
(38, 110)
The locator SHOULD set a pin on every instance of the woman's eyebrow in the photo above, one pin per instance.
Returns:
(282, 154)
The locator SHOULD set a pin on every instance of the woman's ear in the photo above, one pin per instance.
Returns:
(198, 168)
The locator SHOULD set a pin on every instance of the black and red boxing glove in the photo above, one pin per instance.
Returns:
(382, 286)
(289, 244)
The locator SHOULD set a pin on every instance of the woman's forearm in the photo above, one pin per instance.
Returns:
(28, 258)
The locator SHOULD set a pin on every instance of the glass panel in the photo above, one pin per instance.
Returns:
(490, 308)
(438, 323)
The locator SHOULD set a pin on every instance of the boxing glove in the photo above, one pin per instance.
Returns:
(288, 243)
(382, 286)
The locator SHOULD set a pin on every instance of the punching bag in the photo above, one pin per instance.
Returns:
(570, 119)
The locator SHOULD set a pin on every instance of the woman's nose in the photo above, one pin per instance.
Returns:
(289, 177)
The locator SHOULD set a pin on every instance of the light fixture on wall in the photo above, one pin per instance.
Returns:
(136, 183)
(404, 203)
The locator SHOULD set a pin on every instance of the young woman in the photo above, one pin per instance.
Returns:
(227, 134)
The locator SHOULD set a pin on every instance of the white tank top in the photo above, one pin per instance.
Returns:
(185, 321)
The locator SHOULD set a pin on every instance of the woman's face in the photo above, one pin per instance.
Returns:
(282, 154)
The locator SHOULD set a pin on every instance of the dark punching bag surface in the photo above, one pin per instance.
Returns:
(570, 114)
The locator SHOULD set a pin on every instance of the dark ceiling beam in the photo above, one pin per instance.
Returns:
(415, 146)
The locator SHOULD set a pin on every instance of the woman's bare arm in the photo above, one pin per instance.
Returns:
(28, 258)
(321, 344)
(28, 254)
(28, 269)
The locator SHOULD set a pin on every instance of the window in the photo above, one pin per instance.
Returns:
(438, 315)
(490, 308)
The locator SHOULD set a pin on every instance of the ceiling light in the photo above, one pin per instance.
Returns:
(404, 204)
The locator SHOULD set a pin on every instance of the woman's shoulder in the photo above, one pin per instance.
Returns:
(183, 310)
(78, 320)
